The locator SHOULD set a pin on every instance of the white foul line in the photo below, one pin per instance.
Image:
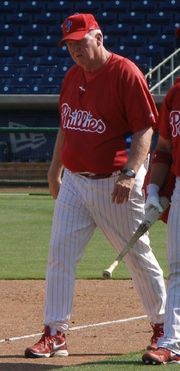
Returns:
(78, 328)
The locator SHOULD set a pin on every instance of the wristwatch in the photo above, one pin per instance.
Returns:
(129, 172)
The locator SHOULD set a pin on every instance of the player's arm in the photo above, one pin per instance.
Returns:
(140, 145)
(160, 164)
(55, 169)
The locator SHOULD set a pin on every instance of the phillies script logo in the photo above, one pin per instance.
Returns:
(80, 120)
(174, 120)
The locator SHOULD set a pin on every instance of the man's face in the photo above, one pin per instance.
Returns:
(84, 51)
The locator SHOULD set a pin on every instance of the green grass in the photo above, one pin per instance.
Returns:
(25, 232)
(129, 362)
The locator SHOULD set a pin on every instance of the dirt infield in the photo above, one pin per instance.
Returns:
(95, 301)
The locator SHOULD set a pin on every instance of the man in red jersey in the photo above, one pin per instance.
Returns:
(167, 156)
(104, 101)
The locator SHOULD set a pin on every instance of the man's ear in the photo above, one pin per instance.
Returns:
(99, 38)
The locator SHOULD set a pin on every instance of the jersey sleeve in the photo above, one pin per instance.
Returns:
(141, 110)
(163, 122)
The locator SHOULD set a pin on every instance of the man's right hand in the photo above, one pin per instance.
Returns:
(55, 179)
(54, 186)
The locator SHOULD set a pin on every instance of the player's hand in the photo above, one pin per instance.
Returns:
(55, 174)
(54, 186)
(153, 201)
(122, 189)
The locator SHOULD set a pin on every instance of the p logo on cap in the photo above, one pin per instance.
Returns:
(68, 26)
(76, 26)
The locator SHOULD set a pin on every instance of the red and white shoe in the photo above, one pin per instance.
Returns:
(48, 346)
(158, 332)
(160, 356)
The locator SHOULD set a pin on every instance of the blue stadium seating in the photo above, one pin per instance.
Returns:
(142, 30)
(87, 6)
(9, 6)
(32, 30)
(59, 6)
(33, 6)
(117, 6)
(6, 30)
(171, 5)
(143, 6)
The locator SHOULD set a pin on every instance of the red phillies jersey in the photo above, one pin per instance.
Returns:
(169, 123)
(98, 113)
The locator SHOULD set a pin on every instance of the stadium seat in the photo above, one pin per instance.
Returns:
(143, 6)
(6, 30)
(171, 5)
(48, 41)
(55, 30)
(19, 41)
(33, 6)
(45, 89)
(176, 16)
(32, 30)
(117, 29)
(59, 6)
(49, 80)
(163, 40)
(7, 51)
(169, 29)
(111, 40)
(36, 70)
(105, 18)
(18, 19)
(59, 52)
(33, 51)
(146, 30)
(152, 53)
(21, 80)
(6, 81)
(89, 6)
(125, 51)
(12, 68)
(132, 40)
(46, 18)
(8, 6)
(16, 89)
(132, 18)
(117, 6)
(48, 60)
(160, 18)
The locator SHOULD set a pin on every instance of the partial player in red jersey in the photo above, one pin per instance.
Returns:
(104, 103)
(167, 156)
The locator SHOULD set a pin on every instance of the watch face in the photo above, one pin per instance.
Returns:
(128, 172)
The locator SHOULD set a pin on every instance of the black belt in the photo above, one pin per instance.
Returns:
(95, 176)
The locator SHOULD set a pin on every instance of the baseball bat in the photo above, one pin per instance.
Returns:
(150, 218)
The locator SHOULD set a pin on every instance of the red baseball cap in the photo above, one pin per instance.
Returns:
(76, 26)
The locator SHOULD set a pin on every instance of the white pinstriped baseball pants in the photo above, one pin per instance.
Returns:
(171, 339)
(83, 204)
